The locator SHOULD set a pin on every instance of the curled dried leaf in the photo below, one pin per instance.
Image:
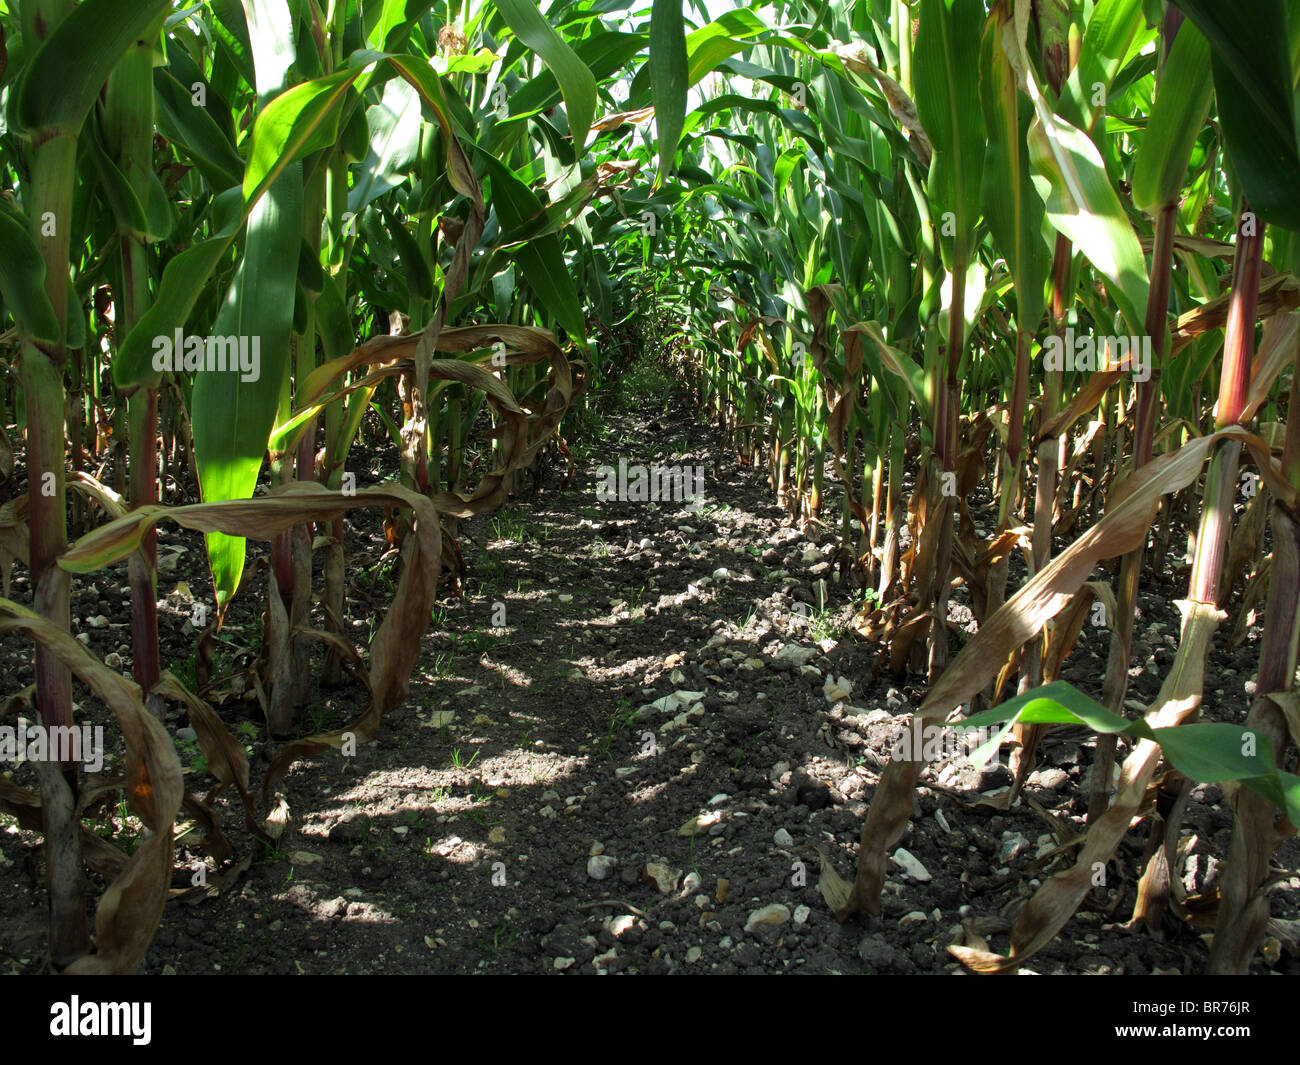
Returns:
(129, 911)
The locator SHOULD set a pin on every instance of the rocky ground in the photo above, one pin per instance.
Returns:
(628, 745)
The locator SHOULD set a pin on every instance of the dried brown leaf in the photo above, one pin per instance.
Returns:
(1057, 899)
(128, 913)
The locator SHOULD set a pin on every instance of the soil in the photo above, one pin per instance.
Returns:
(540, 803)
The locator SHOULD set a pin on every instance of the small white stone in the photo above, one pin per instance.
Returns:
(775, 913)
(1012, 845)
(599, 866)
(911, 866)
(663, 876)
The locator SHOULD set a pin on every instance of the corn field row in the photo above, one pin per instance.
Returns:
(906, 253)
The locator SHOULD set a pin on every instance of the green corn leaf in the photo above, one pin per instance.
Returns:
(302, 125)
(193, 130)
(183, 280)
(1080, 200)
(1281, 789)
(1254, 89)
(75, 329)
(1255, 52)
(1057, 703)
(230, 27)
(395, 15)
(1213, 753)
(1114, 32)
(576, 81)
(429, 85)
(1011, 204)
(668, 74)
(233, 417)
(973, 298)
(948, 103)
(1204, 752)
(710, 45)
(120, 196)
(706, 49)
(394, 131)
(542, 262)
(22, 282)
(1082, 204)
(415, 270)
(1182, 103)
(541, 259)
(897, 363)
(270, 29)
(159, 213)
(332, 324)
(296, 123)
(74, 61)
(604, 54)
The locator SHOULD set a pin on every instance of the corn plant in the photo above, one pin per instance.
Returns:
(901, 253)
